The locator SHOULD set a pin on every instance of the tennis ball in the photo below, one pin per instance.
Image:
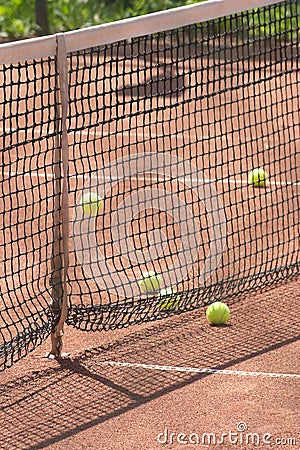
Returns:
(258, 177)
(217, 313)
(91, 204)
(149, 282)
(168, 299)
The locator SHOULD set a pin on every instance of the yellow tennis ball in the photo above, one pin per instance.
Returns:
(258, 177)
(217, 313)
(168, 299)
(149, 282)
(91, 204)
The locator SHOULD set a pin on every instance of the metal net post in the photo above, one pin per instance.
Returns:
(60, 261)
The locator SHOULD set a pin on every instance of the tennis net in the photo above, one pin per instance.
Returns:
(30, 204)
(165, 116)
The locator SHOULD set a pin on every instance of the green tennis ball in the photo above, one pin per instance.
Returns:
(91, 204)
(217, 313)
(168, 299)
(149, 282)
(258, 177)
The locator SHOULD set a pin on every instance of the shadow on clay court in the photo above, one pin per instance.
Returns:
(60, 402)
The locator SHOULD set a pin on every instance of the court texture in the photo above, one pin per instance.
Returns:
(161, 120)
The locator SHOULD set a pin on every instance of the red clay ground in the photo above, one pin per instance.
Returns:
(80, 403)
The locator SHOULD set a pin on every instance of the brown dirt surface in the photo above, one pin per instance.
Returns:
(141, 388)
(83, 403)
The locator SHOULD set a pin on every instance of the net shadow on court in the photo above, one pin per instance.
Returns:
(60, 402)
(164, 124)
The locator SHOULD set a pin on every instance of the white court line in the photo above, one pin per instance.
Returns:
(32, 174)
(181, 134)
(200, 370)
(196, 181)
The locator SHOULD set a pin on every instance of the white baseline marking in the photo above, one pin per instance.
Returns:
(196, 181)
(200, 370)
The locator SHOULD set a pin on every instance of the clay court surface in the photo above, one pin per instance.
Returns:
(176, 383)
(84, 403)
